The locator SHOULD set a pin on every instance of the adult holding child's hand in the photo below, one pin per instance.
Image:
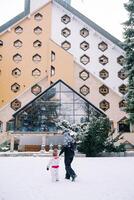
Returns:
(68, 150)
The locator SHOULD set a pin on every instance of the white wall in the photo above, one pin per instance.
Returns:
(30, 140)
(93, 52)
(38, 140)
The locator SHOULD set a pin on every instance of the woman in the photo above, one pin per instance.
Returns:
(68, 149)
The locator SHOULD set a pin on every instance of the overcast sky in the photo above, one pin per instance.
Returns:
(109, 14)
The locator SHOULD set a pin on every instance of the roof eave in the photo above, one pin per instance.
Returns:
(90, 23)
(17, 18)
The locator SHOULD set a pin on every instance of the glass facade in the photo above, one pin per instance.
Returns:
(58, 103)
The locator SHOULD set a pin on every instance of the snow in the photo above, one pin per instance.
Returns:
(26, 178)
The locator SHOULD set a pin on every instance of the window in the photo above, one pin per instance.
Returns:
(52, 71)
(84, 32)
(18, 30)
(84, 75)
(16, 104)
(84, 90)
(17, 58)
(16, 72)
(84, 59)
(18, 44)
(36, 72)
(38, 30)
(104, 74)
(102, 46)
(15, 87)
(0, 57)
(104, 90)
(120, 60)
(103, 60)
(128, 146)
(122, 74)
(52, 56)
(36, 89)
(65, 32)
(57, 103)
(122, 104)
(123, 89)
(66, 45)
(10, 125)
(84, 46)
(65, 19)
(38, 17)
(1, 43)
(104, 105)
(123, 125)
(1, 126)
(37, 44)
(36, 58)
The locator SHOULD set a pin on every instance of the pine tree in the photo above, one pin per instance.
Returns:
(129, 59)
(94, 136)
(97, 136)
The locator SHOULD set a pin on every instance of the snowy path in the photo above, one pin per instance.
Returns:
(26, 178)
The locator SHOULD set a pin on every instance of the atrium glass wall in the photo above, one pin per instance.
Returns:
(58, 103)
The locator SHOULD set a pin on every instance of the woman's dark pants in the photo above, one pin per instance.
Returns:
(69, 171)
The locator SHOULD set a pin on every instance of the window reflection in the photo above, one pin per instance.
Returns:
(10, 125)
(69, 118)
(67, 97)
(80, 109)
(66, 109)
(64, 88)
(56, 104)
(78, 99)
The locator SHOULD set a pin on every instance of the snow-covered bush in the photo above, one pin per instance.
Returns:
(74, 128)
(4, 147)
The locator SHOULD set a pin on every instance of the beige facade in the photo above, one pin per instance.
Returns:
(63, 64)
(31, 56)
(95, 97)
(27, 51)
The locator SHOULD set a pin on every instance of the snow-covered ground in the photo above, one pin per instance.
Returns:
(26, 178)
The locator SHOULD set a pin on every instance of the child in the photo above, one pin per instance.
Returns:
(53, 165)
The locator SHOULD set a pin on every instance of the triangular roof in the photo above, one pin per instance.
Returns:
(51, 86)
(70, 9)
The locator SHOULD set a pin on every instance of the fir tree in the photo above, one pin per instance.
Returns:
(129, 59)
(94, 136)
(97, 136)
